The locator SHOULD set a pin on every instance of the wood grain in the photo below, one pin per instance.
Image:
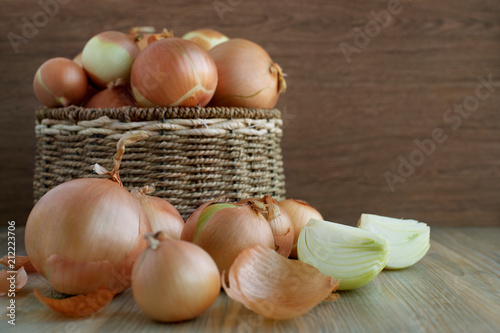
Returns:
(454, 288)
(345, 124)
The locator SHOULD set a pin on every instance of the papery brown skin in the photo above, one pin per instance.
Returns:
(20, 261)
(231, 230)
(60, 82)
(162, 215)
(173, 72)
(175, 281)
(192, 221)
(300, 213)
(80, 305)
(49, 233)
(112, 97)
(275, 287)
(21, 280)
(248, 77)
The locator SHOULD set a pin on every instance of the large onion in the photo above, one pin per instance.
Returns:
(248, 77)
(60, 82)
(174, 72)
(87, 233)
(109, 56)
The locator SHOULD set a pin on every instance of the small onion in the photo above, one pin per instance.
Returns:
(108, 57)
(111, 97)
(248, 77)
(173, 72)
(161, 214)
(224, 230)
(87, 233)
(174, 280)
(300, 212)
(206, 38)
(60, 82)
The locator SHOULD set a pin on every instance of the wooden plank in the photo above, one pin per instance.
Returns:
(453, 289)
(345, 124)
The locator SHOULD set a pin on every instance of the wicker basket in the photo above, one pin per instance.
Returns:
(192, 155)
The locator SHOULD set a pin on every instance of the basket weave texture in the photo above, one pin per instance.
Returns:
(192, 155)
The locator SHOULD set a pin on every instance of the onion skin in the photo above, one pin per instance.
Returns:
(206, 38)
(173, 72)
(248, 77)
(60, 82)
(93, 223)
(112, 97)
(108, 57)
(141, 35)
(176, 281)
(300, 212)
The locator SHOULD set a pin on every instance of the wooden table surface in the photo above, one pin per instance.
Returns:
(455, 288)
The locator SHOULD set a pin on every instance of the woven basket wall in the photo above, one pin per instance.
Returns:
(192, 155)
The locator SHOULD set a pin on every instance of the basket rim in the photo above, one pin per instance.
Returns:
(132, 113)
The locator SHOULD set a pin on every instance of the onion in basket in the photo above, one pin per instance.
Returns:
(248, 77)
(60, 82)
(174, 72)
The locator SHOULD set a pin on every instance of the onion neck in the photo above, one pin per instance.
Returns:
(275, 69)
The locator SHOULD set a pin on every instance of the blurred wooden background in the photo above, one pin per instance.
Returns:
(346, 124)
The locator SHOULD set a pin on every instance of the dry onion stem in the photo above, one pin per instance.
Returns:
(20, 282)
(78, 306)
(275, 287)
(20, 261)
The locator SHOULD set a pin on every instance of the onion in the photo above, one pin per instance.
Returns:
(161, 214)
(87, 233)
(173, 72)
(352, 255)
(300, 212)
(276, 287)
(108, 57)
(225, 229)
(247, 75)
(281, 224)
(111, 97)
(60, 82)
(141, 35)
(174, 280)
(206, 38)
(408, 239)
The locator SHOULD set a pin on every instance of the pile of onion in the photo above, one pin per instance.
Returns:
(173, 72)
(87, 233)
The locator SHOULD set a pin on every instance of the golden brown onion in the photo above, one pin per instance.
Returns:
(174, 72)
(111, 97)
(60, 82)
(248, 77)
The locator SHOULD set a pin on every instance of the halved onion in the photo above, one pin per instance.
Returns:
(408, 239)
(248, 77)
(353, 255)
(275, 287)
